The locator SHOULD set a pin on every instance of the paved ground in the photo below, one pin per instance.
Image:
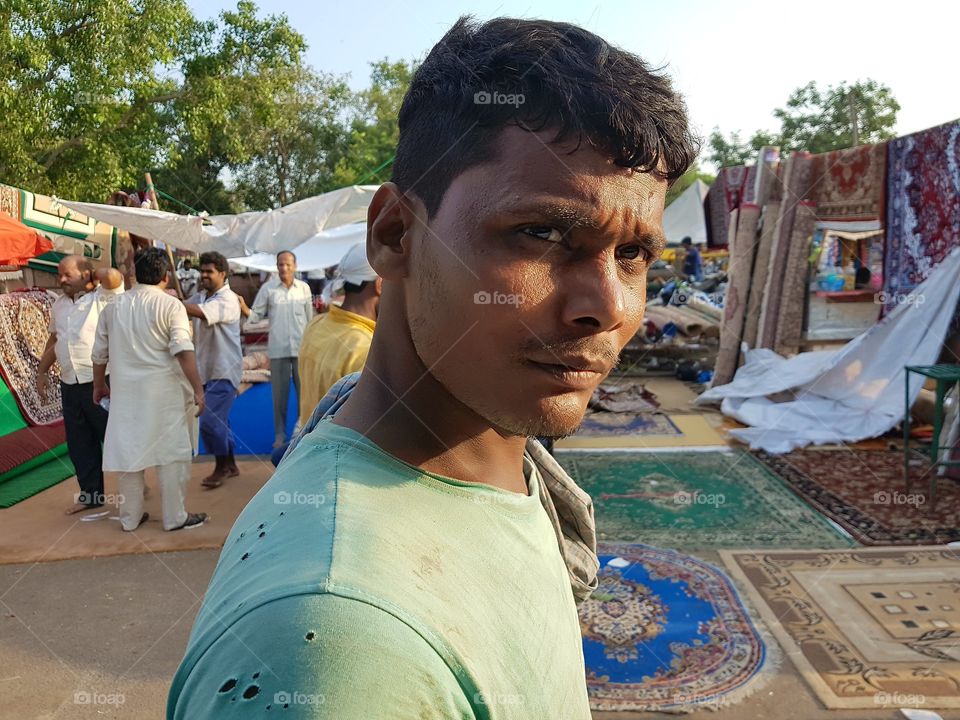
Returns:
(101, 638)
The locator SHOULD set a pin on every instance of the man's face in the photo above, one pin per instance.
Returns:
(72, 280)
(531, 279)
(211, 279)
(286, 266)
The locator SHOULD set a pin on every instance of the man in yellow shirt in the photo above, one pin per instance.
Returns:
(336, 343)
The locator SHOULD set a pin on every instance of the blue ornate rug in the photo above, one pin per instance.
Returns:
(665, 631)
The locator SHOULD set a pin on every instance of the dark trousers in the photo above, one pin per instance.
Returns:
(86, 425)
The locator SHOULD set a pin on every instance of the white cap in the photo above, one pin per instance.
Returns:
(354, 267)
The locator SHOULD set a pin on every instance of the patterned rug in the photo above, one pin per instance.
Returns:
(24, 324)
(698, 500)
(667, 632)
(863, 491)
(733, 187)
(872, 628)
(848, 184)
(623, 431)
(923, 206)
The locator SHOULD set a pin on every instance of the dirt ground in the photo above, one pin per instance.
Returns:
(101, 638)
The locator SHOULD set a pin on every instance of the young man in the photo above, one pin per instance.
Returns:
(337, 342)
(288, 303)
(215, 311)
(692, 264)
(73, 326)
(155, 393)
(404, 560)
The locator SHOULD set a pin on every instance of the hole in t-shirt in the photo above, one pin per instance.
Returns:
(281, 513)
(310, 636)
(262, 534)
(256, 675)
(228, 685)
(251, 692)
(245, 556)
(260, 526)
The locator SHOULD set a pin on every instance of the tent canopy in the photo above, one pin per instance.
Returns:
(321, 251)
(270, 231)
(684, 217)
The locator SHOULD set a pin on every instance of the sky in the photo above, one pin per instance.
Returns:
(734, 61)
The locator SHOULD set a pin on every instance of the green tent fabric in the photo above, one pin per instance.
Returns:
(34, 476)
(47, 262)
(10, 417)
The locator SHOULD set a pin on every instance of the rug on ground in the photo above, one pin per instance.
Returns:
(641, 431)
(864, 491)
(698, 500)
(24, 329)
(871, 628)
(665, 631)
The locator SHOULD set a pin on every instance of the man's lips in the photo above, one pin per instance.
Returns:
(577, 375)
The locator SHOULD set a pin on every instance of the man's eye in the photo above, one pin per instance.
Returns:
(543, 232)
(630, 252)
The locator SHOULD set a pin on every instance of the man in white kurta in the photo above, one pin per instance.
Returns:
(155, 393)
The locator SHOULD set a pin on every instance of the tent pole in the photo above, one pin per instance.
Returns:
(152, 196)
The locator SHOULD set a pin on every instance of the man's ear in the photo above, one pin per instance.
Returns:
(394, 221)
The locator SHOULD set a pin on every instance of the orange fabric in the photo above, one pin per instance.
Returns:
(18, 243)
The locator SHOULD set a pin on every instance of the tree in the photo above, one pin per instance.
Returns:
(734, 151)
(372, 141)
(838, 117)
(817, 120)
(692, 174)
(95, 93)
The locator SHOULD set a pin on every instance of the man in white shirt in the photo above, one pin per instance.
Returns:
(155, 393)
(288, 303)
(189, 276)
(73, 325)
(215, 312)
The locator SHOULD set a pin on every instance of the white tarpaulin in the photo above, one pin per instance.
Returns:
(321, 251)
(843, 395)
(269, 231)
(684, 217)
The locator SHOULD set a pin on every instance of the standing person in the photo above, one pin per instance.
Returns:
(73, 327)
(418, 554)
(692, 264)
(288, 303)
(216, 332)
(336, 343)
(189, 277)
(155, 393)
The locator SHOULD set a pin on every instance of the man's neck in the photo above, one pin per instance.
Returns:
(405, 411)
(365, 307)
(287, 283)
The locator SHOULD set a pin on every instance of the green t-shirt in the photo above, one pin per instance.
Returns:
(356, 586)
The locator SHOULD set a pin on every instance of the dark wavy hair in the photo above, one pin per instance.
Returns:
(152, 266)
(560, 76)
(216, 259)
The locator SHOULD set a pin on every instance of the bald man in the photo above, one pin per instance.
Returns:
(73, 326)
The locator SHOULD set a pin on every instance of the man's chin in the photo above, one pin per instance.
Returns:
(555, 418)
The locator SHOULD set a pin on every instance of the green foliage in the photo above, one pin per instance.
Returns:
(822, 120)
(817, 120)
(692, 174)
(728, 152)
